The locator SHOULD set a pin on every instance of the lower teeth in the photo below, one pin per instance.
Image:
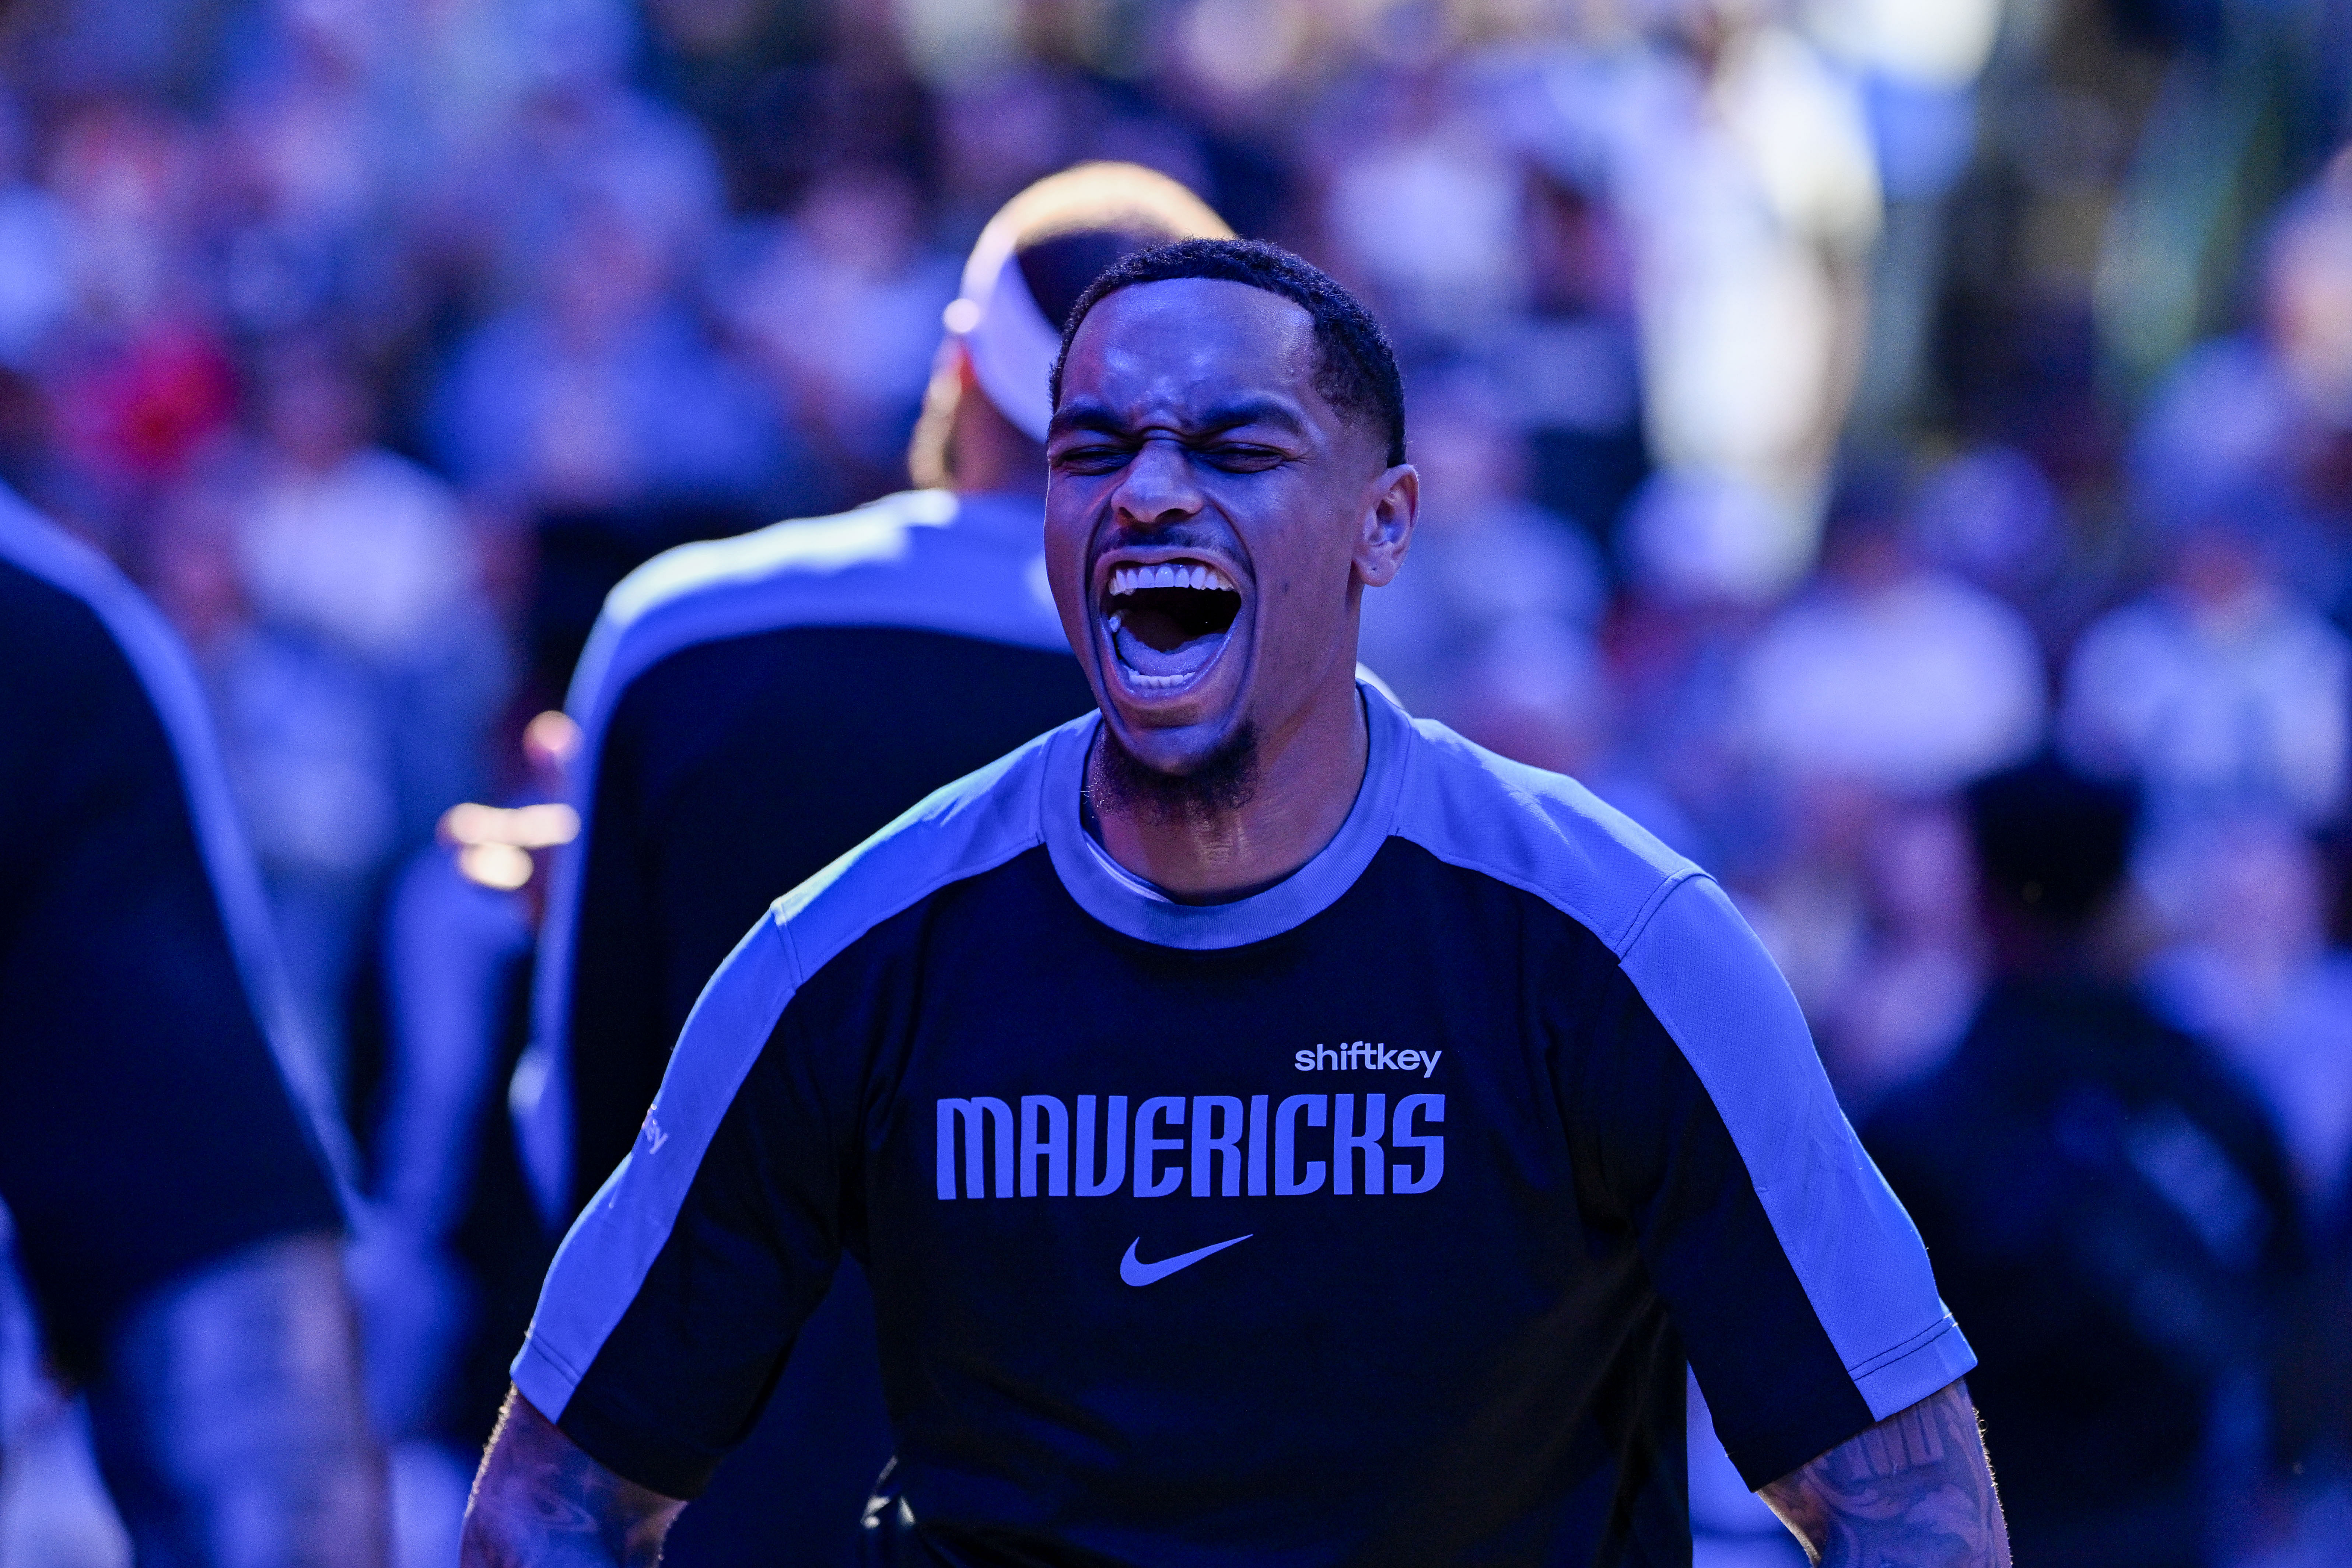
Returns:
(1155, 681)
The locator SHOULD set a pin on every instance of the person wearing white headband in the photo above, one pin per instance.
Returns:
(1030, 265)
(752, 708)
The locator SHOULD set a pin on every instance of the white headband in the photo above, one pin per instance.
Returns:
(1012, 345)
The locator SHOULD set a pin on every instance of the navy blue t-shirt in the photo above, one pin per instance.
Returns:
(146, 1125)
(1368, 1220)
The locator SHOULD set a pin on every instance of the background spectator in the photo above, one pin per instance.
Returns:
(2107, 1203)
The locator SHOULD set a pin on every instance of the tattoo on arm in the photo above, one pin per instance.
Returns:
(1914, 1491)
(539, 1500)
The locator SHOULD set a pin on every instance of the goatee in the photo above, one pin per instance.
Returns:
(1225, 782)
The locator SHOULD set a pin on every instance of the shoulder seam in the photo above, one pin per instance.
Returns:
(1031, 835)
(1619, 945)
(1649, 906)
(1620, 935)
(795, 972)
(805, 972)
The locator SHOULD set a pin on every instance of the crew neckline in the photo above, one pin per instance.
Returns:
(1130, 904)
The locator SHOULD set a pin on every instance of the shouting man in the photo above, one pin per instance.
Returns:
(1275, 1129)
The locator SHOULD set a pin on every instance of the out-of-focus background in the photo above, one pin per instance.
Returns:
(1822, 403)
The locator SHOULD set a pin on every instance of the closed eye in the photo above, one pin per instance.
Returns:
(1093, 459)
(1239, 458)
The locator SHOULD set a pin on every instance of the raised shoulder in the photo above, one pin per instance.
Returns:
(1541, 832)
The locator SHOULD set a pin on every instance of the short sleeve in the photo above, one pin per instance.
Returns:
(1795, 1280)
(675, 1298)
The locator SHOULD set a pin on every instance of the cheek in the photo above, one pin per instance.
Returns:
(1064, 540)
(1065, 579)
(1306, 609)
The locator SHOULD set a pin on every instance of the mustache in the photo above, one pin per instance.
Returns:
(1182, 534)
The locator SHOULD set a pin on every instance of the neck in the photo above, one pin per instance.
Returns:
(990, 453)
(1298, 789)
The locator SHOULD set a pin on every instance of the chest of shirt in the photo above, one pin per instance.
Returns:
(1366, 1099)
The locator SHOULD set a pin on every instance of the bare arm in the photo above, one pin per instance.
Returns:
(1914, 1491)
(539, 1500)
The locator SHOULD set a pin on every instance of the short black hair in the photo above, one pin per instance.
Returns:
(1355, 365)
(2052, 841)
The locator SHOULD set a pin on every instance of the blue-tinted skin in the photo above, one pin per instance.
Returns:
(1190, 430)
(1914, 1491)
(1915, 1488)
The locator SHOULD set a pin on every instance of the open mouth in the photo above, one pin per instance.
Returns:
(1168, 621)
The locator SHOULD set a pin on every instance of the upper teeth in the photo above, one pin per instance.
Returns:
(1168, 575)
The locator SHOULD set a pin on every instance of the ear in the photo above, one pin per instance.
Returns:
(1391, 507)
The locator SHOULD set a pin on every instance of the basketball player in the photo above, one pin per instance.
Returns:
(1276, 1130)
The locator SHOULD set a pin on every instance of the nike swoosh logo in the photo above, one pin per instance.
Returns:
(1136, 1273)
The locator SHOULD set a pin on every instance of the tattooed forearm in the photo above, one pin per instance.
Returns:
(538, 1500)
(1914, 1491)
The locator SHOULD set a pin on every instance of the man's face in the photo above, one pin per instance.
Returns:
(1210, 520)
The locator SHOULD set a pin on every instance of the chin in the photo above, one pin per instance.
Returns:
(1192, 782)
(1174, 749)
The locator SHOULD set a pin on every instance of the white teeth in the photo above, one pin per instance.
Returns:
(1169, 574)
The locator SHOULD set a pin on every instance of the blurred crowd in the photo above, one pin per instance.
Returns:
(1823, 404)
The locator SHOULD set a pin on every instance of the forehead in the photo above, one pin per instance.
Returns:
(1190, 343)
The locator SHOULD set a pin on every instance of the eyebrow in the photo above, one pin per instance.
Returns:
(1253, 410)
(1223, 417)
(1085, 416)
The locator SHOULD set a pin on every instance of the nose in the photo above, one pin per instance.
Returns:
(1155, 490)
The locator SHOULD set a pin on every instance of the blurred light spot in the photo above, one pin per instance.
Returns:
(962, 315)
(499, 866)
(540, 826)
(1243, 46)
(552, 738)
(1942, 42)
